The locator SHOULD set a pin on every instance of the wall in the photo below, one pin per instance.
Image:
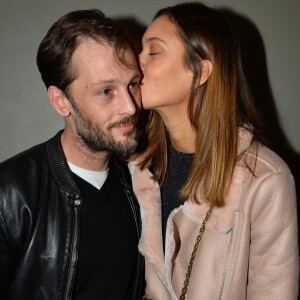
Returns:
(270, 37)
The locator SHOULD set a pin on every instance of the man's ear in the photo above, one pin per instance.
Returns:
(59, 101)
(206, 69)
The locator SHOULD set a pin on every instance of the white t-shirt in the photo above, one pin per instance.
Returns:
(95, 178)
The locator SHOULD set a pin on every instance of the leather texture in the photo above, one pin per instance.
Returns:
(39, 225)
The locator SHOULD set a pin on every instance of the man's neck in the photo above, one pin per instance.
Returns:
(79, 155)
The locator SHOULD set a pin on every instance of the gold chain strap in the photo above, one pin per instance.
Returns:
(190, 266)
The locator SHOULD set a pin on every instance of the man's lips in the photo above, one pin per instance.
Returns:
(127, 124)
(126, 127)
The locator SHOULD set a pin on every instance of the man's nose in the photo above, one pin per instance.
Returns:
(127, 106)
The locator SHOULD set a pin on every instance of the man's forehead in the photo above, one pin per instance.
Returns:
(122, 54)
(98, 63)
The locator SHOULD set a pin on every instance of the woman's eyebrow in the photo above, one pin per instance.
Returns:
(151, 39)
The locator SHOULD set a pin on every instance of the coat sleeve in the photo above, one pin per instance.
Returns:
(7, 259)
(274, 254)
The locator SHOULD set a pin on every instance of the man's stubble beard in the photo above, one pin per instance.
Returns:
(96, 140)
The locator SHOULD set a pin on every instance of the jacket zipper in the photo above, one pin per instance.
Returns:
(74, 251)
(129, 197)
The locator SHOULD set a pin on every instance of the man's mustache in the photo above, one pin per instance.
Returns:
(127, 120)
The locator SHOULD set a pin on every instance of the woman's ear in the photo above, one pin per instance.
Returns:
(206, 69)
(59, 101)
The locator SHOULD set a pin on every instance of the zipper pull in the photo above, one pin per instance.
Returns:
(77, 202)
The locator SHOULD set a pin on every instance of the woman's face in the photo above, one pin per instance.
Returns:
(167, 82)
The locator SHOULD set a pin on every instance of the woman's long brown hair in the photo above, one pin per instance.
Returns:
(216, 110)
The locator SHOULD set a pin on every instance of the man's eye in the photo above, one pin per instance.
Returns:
(134, 85)
(105, 92)
(152, 53)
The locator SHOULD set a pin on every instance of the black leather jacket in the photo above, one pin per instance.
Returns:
(39, 225)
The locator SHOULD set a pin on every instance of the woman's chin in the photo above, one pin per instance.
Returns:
(148, 105)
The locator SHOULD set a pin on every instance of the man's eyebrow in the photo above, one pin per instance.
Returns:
(136, 75)
(104, 81)
(110, 81)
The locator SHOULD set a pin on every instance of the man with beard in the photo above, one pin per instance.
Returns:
(69, 221)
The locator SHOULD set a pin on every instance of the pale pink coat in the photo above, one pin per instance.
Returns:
(249, 249)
